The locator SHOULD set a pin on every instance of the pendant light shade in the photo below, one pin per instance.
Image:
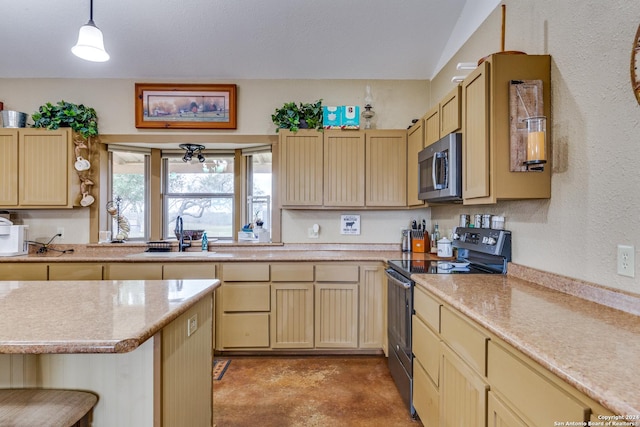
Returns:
(90, 45)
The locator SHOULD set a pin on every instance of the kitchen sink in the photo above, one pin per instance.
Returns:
(180, 255)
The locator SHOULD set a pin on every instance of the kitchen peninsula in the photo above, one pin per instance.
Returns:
(143, 346)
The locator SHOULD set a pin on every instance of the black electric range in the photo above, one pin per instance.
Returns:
(480, 251)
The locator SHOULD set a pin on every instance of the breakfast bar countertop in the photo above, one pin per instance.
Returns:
(593, 347)
(93, 316)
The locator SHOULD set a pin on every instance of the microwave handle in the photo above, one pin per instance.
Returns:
(433, 171)
(440, 185)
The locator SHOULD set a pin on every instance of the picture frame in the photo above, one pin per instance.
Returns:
(185, 106)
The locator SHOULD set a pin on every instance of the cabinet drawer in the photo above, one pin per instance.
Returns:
(245, 272)
(133, 271)
(191, 270)
(245, 297)
(426, 348)
(245, 330)
(292, 272)
(465, 339)
(535, 397)
(75, 271)
(426, 398)
(427, 308)
(23, 271)
(337, 273)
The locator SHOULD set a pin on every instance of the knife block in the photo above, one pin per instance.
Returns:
(419, 241)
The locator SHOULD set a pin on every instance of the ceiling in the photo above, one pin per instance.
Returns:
(239, 39)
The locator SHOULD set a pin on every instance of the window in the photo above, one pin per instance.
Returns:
(202, 193)
(259, 179)
(129, 171)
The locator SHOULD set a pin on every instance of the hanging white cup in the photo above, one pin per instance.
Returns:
(82, 164)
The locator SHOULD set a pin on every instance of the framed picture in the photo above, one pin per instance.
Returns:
(185, 106)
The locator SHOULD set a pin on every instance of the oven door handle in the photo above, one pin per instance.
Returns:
(397, 279)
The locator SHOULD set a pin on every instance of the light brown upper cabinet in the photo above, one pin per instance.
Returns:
(443, 118)
(386, 168)
(344, 168)
(486, 174)
(415, 143)
(301, 167)
(35, 168)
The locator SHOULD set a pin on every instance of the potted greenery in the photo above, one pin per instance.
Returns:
(81, 119)
(294, 116)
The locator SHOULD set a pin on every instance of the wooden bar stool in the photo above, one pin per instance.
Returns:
(28, 407)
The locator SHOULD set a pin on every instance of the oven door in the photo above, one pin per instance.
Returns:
(399, 311)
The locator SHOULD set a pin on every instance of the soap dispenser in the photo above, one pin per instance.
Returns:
(205, 242)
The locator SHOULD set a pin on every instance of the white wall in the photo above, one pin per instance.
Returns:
(595, 201)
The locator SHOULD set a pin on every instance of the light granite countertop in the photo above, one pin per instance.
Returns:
(591, 346)
(108, 316)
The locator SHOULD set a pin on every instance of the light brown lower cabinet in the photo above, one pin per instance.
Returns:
(133, 271)
(292, 315)
(245, 330)
(480, 380)
(463, 392)
(23, 271)
(336, 315)
(75, 271)
(189, 270)
(500, 415)
(426, 398)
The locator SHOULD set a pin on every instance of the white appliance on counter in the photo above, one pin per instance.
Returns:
(14, 239)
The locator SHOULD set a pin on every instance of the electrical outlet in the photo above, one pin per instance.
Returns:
(61, 232)
(192, 324)
(626, 260)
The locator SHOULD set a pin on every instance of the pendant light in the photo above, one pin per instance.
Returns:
(90, 45)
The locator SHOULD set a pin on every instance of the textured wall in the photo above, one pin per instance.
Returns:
(595, 202)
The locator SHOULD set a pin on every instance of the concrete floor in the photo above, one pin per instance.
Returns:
(308, 391)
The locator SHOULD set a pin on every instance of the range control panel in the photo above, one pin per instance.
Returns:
(483, 240)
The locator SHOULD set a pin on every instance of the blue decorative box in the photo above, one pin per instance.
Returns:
(331, 117)
(350, 117)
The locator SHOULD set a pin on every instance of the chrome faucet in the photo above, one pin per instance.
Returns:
(180, 235)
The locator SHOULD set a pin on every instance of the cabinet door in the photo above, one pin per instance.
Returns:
(133, 271)
(432, 126)
(500, 415)
(75, 271)
(426, 398)
(415, 140)
(386, 168)
(475, 129)
(450, 117)
(463, 393)
(301, 168)
(336, 315)
(23, 271)
(8, 167)
(292, 319)
(246, 330)
(372, 318)
(45, 167)
(344, 168)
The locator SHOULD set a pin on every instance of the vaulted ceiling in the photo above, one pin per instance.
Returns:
(239, 39)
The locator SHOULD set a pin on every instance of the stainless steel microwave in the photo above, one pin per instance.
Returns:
(440, 170)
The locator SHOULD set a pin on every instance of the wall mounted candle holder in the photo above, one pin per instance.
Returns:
(527, 126)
